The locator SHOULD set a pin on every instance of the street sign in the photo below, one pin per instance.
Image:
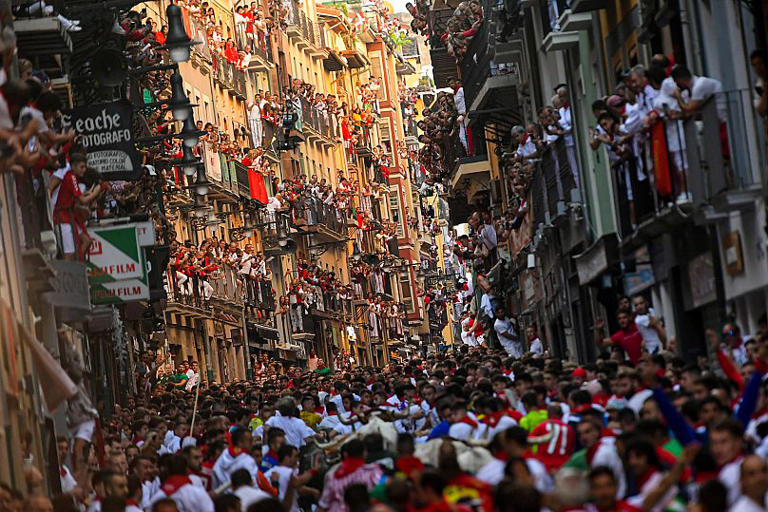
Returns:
(117, 269)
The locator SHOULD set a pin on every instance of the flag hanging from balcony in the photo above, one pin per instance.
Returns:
(358, 217)
(257, 187)
(661, 160)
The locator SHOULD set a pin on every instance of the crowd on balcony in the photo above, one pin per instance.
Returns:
(462, 27)
(440, 122)
(641, 126)
(313, 287)
(217, 268)
(419, 12)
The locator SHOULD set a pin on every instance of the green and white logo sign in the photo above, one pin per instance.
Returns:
(117, 270)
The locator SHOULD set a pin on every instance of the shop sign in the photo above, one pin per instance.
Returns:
(117, 269)
(701, 276)
(635, 282)
(70, 286)
(106, 131)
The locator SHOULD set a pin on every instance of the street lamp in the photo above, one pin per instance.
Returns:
(179, 104)
(189, 134)
(356, 255)
(177, 42)
(189, 163)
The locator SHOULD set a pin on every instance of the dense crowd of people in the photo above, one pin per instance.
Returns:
(474, 429)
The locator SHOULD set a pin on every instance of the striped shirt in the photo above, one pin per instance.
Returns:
(333, 490)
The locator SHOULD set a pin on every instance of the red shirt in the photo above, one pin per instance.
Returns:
(65, 202)
(630, 340)
(555, 442)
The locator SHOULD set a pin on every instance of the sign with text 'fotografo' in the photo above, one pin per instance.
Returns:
(105, 129)
(117, 270)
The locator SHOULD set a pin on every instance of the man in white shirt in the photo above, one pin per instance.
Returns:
(701, 89)
(653, 333)
(754, 485)
(525, 146)
(506, 333)
(193, 376)
(242, 484)
(280, 475)
(566, 123)
(296, 431)
(535, 345)
(461, 108)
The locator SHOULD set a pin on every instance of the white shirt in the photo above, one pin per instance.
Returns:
(188, 498)
(488, 236)
(193, 379)
(68, 482)
(730, 477)
(606, 455)
(249, 495)
(704, 87)
(458, 98)
(567, 125)
(486, 305)
(295, 429)
(650, 335)
(526, 148)
(36, 115)
(745, 504)
(537, 347)
(650, 485)
(284, 475)
(513, 347)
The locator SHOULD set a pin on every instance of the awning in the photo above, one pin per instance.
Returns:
(597, 259)
(261, 333)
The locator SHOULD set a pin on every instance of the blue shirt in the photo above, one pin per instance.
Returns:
(441, 430)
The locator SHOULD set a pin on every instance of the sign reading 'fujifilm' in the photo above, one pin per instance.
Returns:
(117, 268)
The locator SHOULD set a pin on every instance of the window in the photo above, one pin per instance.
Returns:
(394, 212)
(386, 135)
(376, 72)
(410, 49)
(405, 290)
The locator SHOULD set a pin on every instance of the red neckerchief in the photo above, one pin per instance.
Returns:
(409, 464)
(130, 502)
(501, 455)
(272, 453)
(647, 474)
(333, 413)
(592, 451)
(735, 459)
(348, 466)
(581, 408)
(173, 483)
(494, 418)
(63, 471)
(469, 421)
(234, 451)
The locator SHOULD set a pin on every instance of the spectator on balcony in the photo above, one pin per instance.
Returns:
(71, 208)
(254, 120)
(667, 110)
(461, 109)
(693, 91)
(526, 148)
(566, 124)
(598, 108)
(759, 60)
